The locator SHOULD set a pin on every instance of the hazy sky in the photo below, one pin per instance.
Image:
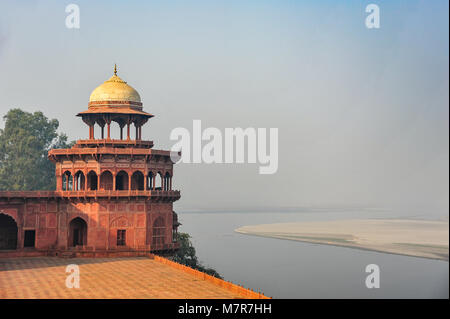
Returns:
(362, 113)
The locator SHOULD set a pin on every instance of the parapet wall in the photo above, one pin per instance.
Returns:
(244, 292)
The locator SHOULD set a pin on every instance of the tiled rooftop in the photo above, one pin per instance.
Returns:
(121, 278)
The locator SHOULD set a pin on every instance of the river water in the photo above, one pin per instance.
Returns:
(291, 269)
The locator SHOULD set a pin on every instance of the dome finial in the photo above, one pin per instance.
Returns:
(115, 69)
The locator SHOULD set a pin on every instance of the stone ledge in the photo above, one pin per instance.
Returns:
(246, 293)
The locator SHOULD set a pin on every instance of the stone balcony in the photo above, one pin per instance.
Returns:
(105, 149)
(124, 143)
(171, 195)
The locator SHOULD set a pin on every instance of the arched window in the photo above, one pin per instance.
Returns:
(77, 232)
(106, 181)
(92, 180)
(158, 232)
(167, 181)
(8, 232)
(67, 181)
(150, 181)
(137, 181)
(122, 181)
(79, 181)
(158, 181)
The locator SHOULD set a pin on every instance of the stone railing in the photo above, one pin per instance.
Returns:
(115, 142)
(106, 149)
(244, 292)
(172, 194)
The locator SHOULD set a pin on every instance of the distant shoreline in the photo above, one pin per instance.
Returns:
(416, 238)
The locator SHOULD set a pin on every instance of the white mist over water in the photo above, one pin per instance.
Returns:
(291, 269)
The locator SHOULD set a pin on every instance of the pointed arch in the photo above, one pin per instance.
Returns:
(92, 181)
(79, 181)
(8, 232)
(122, 181)
(167, 181)
(67, 181)
(77, 232)
(159, 181)
(106, 181)
(150, 180)
(137, 181)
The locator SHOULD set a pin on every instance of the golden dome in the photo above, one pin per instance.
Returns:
(115, 89)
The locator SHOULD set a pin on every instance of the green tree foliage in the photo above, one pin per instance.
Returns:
(186, 256)
(24, 144)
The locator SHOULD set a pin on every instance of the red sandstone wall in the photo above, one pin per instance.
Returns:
(51, 218)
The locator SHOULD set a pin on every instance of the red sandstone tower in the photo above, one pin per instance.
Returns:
(113, 196)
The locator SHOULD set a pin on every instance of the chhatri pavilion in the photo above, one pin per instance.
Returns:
(113, 197)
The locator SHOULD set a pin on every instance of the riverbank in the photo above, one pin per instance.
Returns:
(418, 238)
